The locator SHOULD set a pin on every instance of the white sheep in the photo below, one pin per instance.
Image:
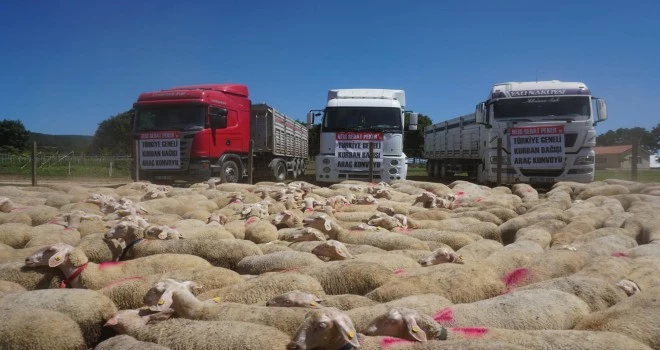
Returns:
(81, 273)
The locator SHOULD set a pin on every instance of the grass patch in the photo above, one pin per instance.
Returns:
(652, 175)
(120, 169)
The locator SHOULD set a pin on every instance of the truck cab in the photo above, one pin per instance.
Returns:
(546, 128)
(193, 133)
(355, 121)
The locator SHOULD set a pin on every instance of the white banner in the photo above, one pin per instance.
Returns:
(160, 150)
(537, 146)
(352, 150)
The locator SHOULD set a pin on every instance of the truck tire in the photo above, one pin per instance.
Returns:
(279, 171)
(229, 172)
(294, 170)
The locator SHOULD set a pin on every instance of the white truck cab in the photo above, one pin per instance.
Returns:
(352, 120)
(547, 132)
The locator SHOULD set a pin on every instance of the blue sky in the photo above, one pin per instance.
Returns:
(65, 66)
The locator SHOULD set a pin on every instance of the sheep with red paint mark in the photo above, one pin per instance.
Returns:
(81, 273)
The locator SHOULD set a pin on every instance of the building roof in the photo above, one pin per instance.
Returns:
(603, 150)
(618, 149)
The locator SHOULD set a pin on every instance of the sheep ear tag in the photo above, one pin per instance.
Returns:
(327, 225)
(165, 301)
(414, 330)
(57, 259)
(347, 331)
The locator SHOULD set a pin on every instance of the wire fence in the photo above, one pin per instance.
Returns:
(65, 165)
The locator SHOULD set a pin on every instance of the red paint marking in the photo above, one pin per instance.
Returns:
(460, 194)
(478, 199)
(619, 254)
(68, 229)
(399, 271)
(529, 190)
(172, 227)
(516, 276)
(471, 332)
(110, 264)
(250, 220)
(445, 315)
(124, 280)
(386, 342)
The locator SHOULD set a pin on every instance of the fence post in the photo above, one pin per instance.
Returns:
(110, 170)
(371, 162)
(69, 168)
(499, 161)
(633, 160)
(137, 160)
(34, 163)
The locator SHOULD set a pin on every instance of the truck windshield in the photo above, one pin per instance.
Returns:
(559, 108)
(183, 118)
(384, 119)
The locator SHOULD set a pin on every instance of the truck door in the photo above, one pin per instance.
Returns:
(226, 137)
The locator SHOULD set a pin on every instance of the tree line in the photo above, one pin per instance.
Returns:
(112, 137)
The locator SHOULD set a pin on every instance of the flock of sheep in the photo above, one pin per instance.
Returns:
(407, 265)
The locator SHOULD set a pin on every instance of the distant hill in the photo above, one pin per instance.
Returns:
(60, 143)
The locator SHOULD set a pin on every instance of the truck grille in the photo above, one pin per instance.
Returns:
(541, 172)
(569, 139)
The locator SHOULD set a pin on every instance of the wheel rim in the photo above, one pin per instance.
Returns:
(231, 174)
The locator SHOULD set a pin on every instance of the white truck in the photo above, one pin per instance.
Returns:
(354, 118)
(546, 130)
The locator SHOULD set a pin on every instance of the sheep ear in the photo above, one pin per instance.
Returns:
(246, 211)
(162, 235)
(111, 322)
(164, 302)
(58, 258)
(347, 331)
(191, 285)
(327, 225)
(372, 222)
(413, 329)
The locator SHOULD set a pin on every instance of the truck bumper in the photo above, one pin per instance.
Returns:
(393, 168)
(571, 171)
(194, 173)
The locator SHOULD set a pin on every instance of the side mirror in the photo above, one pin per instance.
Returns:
(218, 118)
(412, 122)
(310, 120)
(480, 113)
(601, 107)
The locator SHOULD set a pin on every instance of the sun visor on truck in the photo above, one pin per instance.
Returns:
(234, 89)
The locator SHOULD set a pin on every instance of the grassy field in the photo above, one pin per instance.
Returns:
(121, 171)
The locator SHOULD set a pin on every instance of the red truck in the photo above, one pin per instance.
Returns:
(193, 133)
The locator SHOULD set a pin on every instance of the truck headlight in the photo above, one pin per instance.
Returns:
(584, 160)
(326, 170)
(394, 162)
(326, 161)
(393, 171)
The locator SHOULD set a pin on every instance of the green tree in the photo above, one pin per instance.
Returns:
(413, 142)
(13, 136)
(112, 136)
(650, 140)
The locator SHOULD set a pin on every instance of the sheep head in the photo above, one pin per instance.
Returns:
(295, 298)
(52, 256)
(328, 327)
(440, 256)
(161, 232)
(126, 321)
(123, 230)
(6, 205)
(286, 219)
(399, 322)
(332, 250)
(304, 234)
(629, 286)
(323, 223)
(159, 296)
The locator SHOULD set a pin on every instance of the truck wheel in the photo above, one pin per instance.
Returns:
(294, 171)
(279, 171)
(229, 172)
